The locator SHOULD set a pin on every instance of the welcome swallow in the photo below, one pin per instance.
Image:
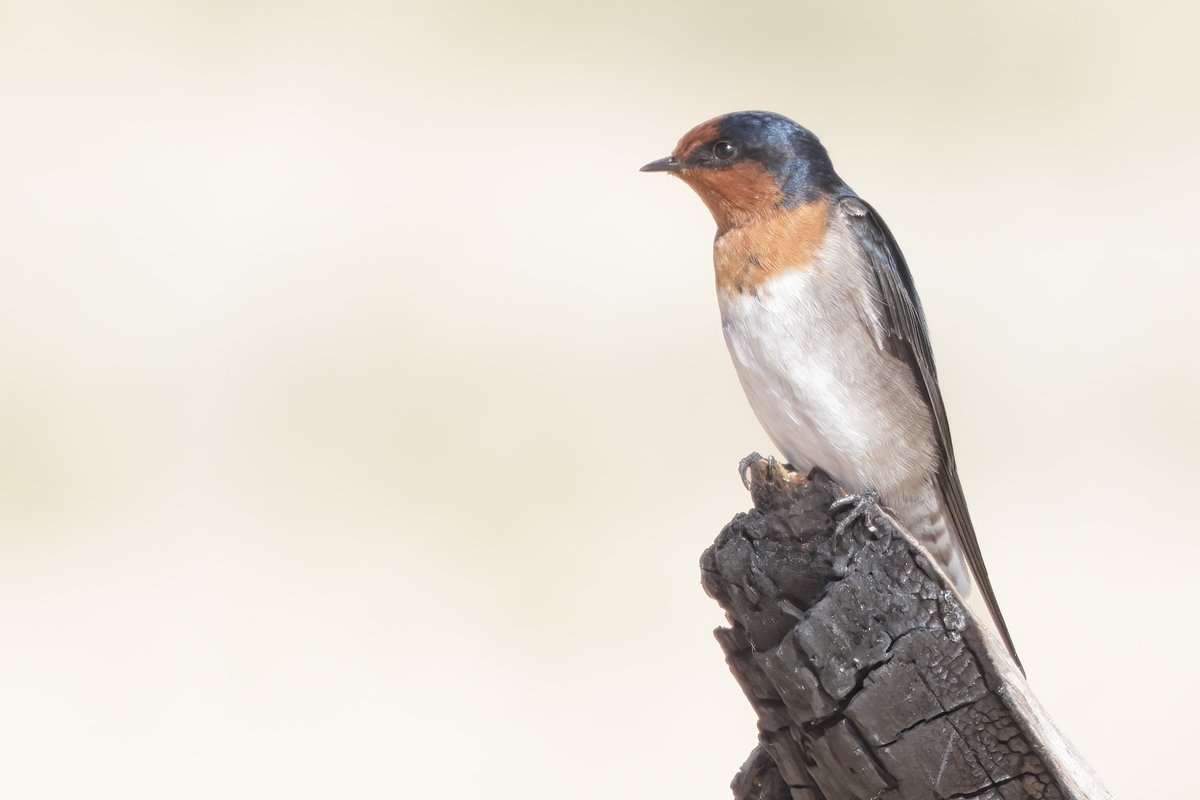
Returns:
(826, 331)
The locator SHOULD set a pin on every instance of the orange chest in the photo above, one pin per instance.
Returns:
(747, 256)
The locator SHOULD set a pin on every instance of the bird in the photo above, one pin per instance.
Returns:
(826, 331)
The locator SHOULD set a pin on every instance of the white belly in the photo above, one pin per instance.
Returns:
(822, 388)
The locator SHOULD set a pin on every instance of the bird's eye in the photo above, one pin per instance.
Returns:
(724, 150)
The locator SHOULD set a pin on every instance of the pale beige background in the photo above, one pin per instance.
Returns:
(364, 412)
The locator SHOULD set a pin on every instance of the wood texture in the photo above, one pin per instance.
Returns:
(870, 677)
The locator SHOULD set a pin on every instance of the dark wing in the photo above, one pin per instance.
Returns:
(907, 338)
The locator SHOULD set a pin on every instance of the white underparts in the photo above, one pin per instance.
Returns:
(809, 352)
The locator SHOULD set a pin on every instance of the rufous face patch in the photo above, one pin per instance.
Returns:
(737, 194)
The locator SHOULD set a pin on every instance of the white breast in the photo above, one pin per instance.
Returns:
(807, 352)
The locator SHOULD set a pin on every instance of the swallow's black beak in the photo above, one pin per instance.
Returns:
(668, 164)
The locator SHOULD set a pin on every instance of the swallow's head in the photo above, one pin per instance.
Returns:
(749, 164)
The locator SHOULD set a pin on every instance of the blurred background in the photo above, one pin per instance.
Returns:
(364, 412)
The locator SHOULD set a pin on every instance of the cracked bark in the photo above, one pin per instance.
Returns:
(869, 676)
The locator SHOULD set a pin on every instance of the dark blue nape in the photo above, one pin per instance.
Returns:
(790, 152)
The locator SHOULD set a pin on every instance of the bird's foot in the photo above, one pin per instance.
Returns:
(860, 505)
(745, 467)
(771, 482)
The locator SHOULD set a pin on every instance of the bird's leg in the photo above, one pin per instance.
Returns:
(860, 505)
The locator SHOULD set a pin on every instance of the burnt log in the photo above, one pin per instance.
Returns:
(870, 676)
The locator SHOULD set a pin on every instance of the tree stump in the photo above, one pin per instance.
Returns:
(870, 676)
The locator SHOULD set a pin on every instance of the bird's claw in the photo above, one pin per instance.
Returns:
(744, 467)
(860, 506)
